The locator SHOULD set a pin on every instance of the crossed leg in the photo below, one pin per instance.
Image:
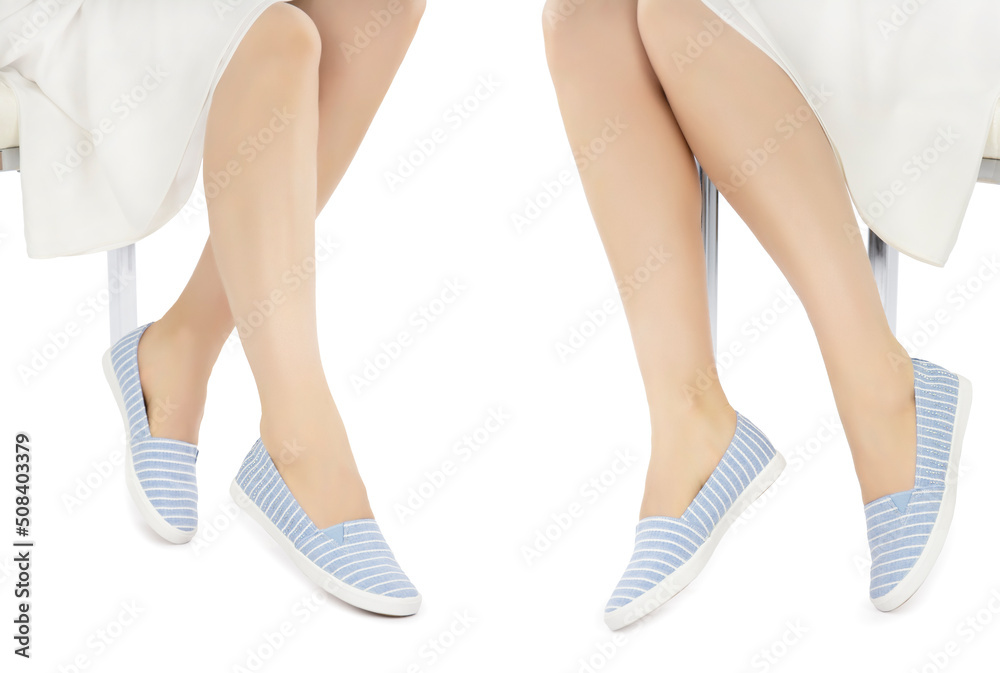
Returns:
(263, 225)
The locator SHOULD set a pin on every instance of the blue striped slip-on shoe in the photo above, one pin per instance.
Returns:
(351, 560)
(670, 552)
(159, 473)
(907, 530)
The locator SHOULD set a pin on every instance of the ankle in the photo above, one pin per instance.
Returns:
(313, 457)
(295, 439)
(701, 427)
(877, 384)
(880, 412)
(184, 352)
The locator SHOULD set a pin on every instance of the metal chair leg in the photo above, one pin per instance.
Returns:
(710, 234)
(885, 265)
(884, 260)
(10, 159)
(989, 172)
(123, 307)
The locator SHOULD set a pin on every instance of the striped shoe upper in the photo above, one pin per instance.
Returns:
(165, 468)
(355, 552)
(899, 525)
(663, 544)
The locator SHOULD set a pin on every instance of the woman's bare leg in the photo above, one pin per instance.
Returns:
(644, 194)
(262, 227)
(732, 100)
(351, 88)
(354, 80)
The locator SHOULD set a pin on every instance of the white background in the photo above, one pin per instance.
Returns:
(800, 560)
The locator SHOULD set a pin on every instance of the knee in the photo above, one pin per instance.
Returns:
(574, 29)
(290, 37)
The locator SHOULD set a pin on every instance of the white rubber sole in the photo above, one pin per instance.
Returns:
(382, 605)
(908, 586)
(149, 514)
(684, 575)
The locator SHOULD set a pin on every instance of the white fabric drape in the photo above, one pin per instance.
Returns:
(113, 97)
(910, 91)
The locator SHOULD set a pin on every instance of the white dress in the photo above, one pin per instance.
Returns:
(113, 97)
(906, 91)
